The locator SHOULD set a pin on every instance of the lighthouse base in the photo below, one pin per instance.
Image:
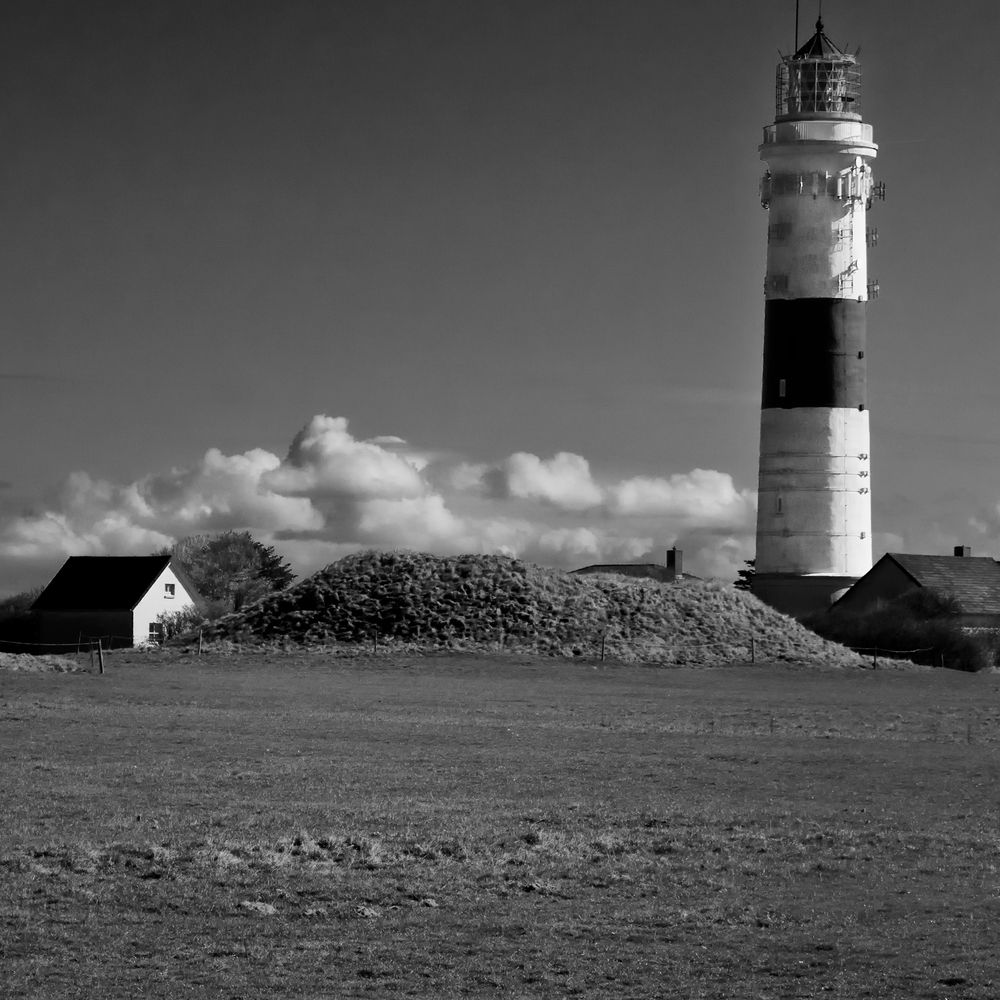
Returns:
(796, 595)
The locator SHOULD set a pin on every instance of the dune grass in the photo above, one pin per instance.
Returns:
(485, 603)
(445, 827)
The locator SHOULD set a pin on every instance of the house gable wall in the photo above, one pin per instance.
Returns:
(155, 602)
(885, 581)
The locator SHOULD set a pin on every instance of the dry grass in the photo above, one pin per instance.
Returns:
(452, 827)
(37, 664)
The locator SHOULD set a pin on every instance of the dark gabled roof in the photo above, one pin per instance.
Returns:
(819, 47)
(617, 567)
(652, 571)
(973, 580)
(103, 583)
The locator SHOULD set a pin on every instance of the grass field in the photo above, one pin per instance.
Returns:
(307, 827)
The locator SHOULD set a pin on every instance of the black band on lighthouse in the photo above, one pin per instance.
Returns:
(814, 353)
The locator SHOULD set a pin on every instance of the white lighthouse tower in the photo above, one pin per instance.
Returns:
(814, 499)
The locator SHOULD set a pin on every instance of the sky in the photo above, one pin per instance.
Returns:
(458, 277)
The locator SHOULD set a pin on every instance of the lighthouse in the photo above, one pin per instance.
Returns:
(814, 487)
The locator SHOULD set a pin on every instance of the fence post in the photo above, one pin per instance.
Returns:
(753, 650)
(200, 640)
(875, 658)
(92, 660)
(79, 639)
(100, 657)
(604, 640)
(375, 639)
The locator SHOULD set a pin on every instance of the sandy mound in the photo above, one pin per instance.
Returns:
(483, 602)
(36, 664)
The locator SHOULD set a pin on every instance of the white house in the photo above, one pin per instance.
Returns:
(116, 598)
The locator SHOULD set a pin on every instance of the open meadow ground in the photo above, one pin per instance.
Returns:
(303, 826)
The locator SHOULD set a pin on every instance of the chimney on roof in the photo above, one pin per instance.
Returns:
(962, 550)
(675, 560)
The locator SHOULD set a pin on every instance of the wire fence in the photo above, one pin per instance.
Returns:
(754, 648)
(82, 644)
(607, 646)
(937, 655)
(944, 724)
(603, 647)
(96, 645)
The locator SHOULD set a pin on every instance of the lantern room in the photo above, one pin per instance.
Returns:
(818, 81)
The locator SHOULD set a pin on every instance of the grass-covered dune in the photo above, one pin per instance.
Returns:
(492, 602)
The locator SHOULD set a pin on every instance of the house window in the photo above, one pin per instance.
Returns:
(156, 632)
(781, 388)
(169, 589)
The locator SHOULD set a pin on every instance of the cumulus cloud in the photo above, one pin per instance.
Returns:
(220, 491)
(412, 522)
(334, 493)
(702, 495)
(324, 460)
(466, 476)
(578, 545)
(563, 481)
(37, 539)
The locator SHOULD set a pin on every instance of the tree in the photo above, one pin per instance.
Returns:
(231, 570)
(17, 604)
(17, 623)
(745, 576)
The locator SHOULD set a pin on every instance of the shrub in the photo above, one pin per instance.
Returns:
(19, 603)
(17, 623)
(921, 625)
(176, 623)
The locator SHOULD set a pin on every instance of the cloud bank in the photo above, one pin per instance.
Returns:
(333, 494)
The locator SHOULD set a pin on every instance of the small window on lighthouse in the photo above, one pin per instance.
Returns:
(781, 388)
(778, 506)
